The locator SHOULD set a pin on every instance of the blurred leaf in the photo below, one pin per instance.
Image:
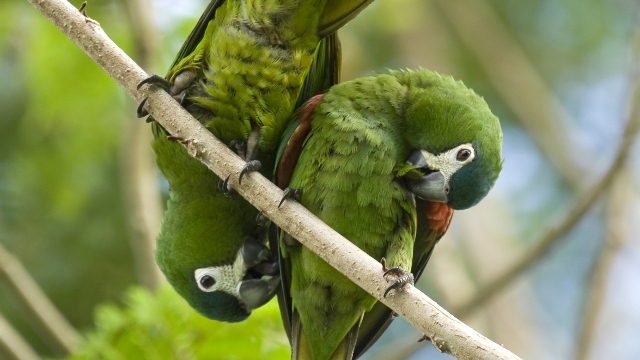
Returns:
(163, 326)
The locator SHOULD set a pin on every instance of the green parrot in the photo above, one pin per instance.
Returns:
(383, 160)
(241, 73)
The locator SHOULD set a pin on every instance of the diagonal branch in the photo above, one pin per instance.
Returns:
(596, 290)
(13, 344)
(446, 332)
(47, 316)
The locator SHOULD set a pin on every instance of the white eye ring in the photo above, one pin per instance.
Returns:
(207, 279)
(463, 154)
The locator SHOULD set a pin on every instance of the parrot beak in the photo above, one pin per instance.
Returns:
(416, 158)
(261, 280)
(432, 186)
(257, 292)
(254, 252)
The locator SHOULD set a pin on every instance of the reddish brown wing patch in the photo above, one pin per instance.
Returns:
(289, 158)
(439, 216)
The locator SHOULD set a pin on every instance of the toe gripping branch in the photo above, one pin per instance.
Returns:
(223, 186)
(178, 90)
(289, 193)
(251, 166)
(155, 80)
(401, 277)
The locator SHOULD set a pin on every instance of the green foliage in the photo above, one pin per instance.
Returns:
(163, 326)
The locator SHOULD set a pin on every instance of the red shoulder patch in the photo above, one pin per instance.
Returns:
(289, 158)
(439, 216)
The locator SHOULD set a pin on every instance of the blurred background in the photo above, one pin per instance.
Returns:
(547, 265)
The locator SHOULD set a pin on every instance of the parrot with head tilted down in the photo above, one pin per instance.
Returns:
(241, 73)
(383, 160)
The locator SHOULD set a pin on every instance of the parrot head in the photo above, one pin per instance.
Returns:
(227, 291)
(457, 140)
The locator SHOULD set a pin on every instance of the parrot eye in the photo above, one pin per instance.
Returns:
(463, 155)
(210, 279)
(207, 281)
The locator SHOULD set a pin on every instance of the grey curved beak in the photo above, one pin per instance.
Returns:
(257, 292)
(254, 252)
(430, 187)
(416, 158)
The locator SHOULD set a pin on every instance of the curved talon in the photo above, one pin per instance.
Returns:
(396, 270)
(402, 279)
(156, 80)
(251, 166)
(140, 111)
(223, 186)
(290, 193)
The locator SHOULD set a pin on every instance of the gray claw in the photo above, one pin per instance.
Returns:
(223, 186)
(156, 80)
(401, 280)
(140, 111)
(289, 193)
(253, 165)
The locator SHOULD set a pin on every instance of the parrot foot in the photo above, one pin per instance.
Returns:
(251, 166)
(223, 186)
(155, 80)
(424, 338)
(178, 90)
(402, 278)
(289, 193)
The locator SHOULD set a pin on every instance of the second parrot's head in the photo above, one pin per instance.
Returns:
(226, 291)
(456, 139)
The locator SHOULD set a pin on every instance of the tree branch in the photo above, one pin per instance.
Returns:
(13, 344)
(48, 317)
(446, 332)
(615, 237)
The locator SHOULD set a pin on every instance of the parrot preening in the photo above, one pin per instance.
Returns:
(383, 160)
(241, 73)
